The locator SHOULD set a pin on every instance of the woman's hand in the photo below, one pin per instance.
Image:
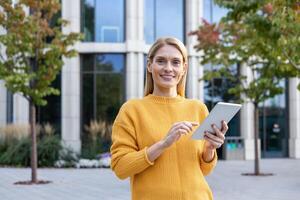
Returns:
(176, 131)
(216, 139)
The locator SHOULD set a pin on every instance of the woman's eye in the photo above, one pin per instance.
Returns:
(176, 62)
(160, 61)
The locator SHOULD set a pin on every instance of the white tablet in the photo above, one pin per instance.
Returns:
(221, 111)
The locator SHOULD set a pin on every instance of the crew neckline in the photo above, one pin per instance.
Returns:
(163, 99)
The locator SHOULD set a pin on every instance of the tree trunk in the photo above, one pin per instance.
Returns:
(256, 133)
(32, 119)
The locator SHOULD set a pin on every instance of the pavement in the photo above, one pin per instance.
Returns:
(226, 182)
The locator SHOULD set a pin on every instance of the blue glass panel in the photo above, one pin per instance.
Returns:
(110, 62)
(169, 18)
(109, 23)
(149, 21)
(212, 12)
(163, 18)
(207, 10)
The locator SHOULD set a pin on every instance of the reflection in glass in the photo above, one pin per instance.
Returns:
(163, 18)
(102, 20)
(88, 19)
(51, 113)
(109, 21)
(110, 97)
(102, 86)
(109, 63)
(87, 111)
(102, 96)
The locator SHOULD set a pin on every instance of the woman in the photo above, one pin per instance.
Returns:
(151, 141)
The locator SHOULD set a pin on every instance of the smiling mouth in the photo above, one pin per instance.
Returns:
(167, 77)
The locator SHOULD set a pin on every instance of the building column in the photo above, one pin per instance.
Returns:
(70, 89)
(134, 48)
(247, 120)
(3, 105)
(3, 91)
(194, 13)
(294, 118)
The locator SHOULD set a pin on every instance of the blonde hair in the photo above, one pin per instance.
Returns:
(159, 43)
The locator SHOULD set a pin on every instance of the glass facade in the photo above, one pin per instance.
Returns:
(216, 89)
(102, 86)
(273, 120)
(103, 21)
(159, 19)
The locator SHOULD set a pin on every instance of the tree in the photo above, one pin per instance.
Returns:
(32, 56)
(258, 35)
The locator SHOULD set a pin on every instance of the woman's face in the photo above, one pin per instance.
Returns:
(167, 67)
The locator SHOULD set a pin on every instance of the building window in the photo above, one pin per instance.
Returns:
(159, 19)
(9, 107)
(103, 21)
(212, 12)
(102, 86)
(51, 113)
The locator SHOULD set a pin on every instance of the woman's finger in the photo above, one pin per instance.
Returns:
(182, 131)
(185, 126)
(224, 127)
(215, 138)
(195, 123)
(212, 142)
(217, 131)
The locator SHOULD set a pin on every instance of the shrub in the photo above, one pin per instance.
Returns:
(48, 149)
(17, 153)
(15, 146)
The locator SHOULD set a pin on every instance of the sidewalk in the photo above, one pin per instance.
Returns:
(101, 184)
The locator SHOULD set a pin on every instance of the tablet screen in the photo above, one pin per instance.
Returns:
(221, 111)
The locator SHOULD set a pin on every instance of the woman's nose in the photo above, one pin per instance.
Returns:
(168, 66)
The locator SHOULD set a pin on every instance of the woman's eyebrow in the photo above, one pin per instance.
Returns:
(160, 57)
(164, 57)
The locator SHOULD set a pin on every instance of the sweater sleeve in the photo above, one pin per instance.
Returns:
(207, 167)
(127, 159)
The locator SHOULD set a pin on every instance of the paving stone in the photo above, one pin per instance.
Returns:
(226, 182)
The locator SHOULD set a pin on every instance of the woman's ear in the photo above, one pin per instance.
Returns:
(185, 68)
(149, 67)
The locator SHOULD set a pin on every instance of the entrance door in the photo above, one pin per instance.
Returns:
(273, 126)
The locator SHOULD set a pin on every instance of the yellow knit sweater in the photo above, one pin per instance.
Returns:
(178, 173)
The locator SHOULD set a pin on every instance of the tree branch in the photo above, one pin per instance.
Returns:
(291, 61)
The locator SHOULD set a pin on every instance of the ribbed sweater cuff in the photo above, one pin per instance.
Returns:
(208, 166)
(133, 163)
(146, 156)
